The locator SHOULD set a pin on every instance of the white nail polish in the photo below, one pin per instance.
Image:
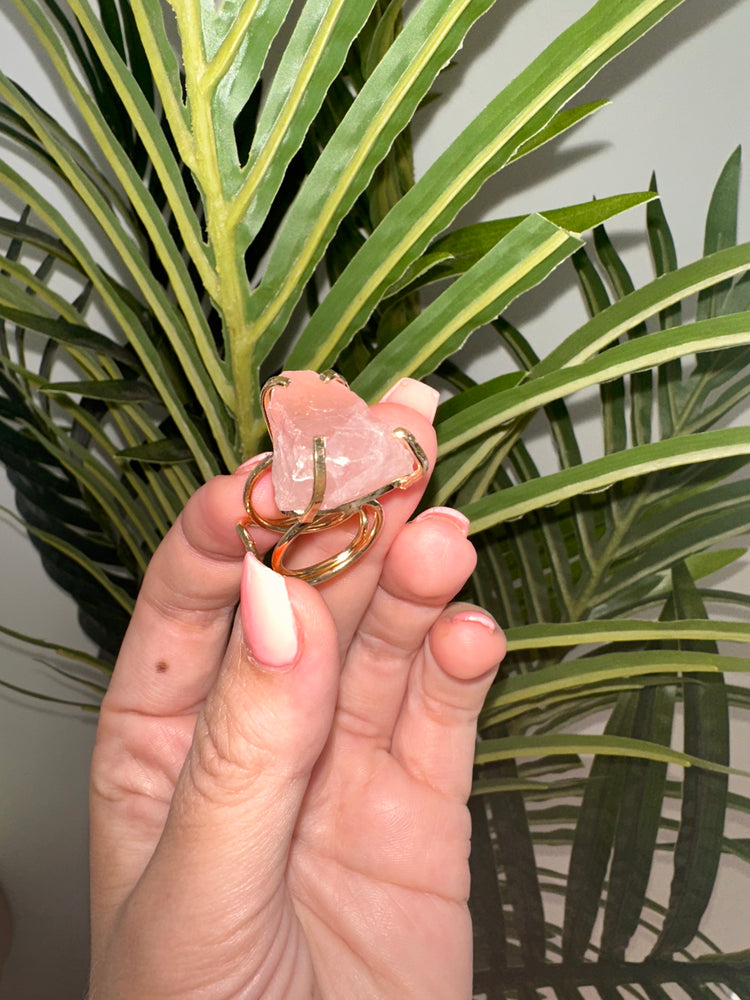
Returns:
(250, 464)
(476, 618)
(268, 620)
(416, 395)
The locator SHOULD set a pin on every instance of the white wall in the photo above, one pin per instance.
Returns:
(679, 108)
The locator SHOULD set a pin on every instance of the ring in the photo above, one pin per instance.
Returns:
(315, 473)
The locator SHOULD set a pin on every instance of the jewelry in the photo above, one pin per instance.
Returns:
(327, 444)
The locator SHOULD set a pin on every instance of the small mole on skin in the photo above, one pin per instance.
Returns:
(162, 667)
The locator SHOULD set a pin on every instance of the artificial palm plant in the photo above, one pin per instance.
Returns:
(246, 171)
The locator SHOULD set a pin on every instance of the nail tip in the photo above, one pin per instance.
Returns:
(415, 394)
(477, 618)
(249, 464)
(268, 621)
(458, 519)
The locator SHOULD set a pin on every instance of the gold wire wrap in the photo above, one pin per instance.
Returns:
(292, 525)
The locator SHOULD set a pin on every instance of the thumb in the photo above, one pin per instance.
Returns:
(264, 724)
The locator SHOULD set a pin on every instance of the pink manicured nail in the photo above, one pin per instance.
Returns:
(461, 522)
(477, 618)
(267, 616)
(251, 463)
(416, 395)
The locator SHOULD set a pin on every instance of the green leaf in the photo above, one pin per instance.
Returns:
(680, 546)
(664, 257)
(548, 634)
(515, 848)
(196, 350)
(49, 699)
(708, 505)
(547, 547)
(485, 902)
(638, 824)
(628, 312)
(68, 653)
(464, 247)
(518, 262)
(601, 473)
(166, 451)
(663, 252)
(537, 391)
(586, 677)
(562, 122)
(52, 519)
(641, 383)
(512, 747)
(514, 116)
(113, 390)
(21, 232)
(704, 801)
(476, 393)
(126, 517)
(387, 26)
(595, 830)
(721, 230)
(89, 566)
(707, 563)
(385, 104)
(136, 54)
(563, 436)
(149, 131)
(82, 57)
(70, 334)
(312, 59)
(122, 312)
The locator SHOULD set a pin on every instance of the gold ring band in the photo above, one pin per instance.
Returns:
(293, 525)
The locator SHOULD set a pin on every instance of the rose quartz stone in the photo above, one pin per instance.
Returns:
(361, 453)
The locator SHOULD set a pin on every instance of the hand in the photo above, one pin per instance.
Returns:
(278, 798)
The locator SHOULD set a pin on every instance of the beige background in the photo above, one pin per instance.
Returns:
(679, 107)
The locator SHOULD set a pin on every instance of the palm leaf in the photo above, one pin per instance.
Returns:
(638, 530)
(264, 213)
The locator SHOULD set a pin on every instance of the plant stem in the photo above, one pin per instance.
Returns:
(231, 293)
(250, 424)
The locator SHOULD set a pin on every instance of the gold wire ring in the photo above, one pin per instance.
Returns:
(321, 571)
(293, 524)
(309, 521)
(282, 524)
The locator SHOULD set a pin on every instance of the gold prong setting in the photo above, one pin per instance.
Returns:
(292, 525)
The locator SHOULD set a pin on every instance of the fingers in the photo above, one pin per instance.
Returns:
(262, 728)
(170, 657)
(428, 563)
(231, 816)
(417, 672)
(179, 628)
(411, 405)
(175, 665)
(435, 734)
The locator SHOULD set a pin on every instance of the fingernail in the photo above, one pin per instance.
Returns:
(462, 523)
(267, 617)
(251, 463)
(416, 395)
(476, 618)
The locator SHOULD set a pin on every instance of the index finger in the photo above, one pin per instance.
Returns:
(179, 628)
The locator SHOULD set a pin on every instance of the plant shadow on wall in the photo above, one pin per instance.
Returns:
(232, 198)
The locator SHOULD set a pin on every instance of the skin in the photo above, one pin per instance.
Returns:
(294, 831)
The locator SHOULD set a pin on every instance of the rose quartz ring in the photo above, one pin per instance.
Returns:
(332, 459)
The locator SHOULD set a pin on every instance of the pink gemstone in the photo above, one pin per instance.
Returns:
(361, 453)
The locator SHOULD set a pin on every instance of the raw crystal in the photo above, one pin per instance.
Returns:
(361, 453)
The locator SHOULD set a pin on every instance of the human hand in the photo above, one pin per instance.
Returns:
(291, 822)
